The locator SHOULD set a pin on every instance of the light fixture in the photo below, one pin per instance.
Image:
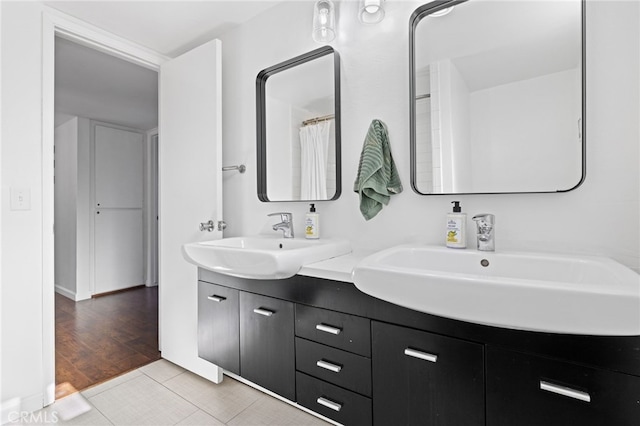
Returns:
(324, 21)
(370, 11)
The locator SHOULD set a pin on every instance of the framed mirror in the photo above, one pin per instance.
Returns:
(298, 124)
(497, 96)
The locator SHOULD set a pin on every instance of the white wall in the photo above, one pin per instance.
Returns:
(26, 313)
(72, 209)
(66, 181)
(22, 234)
(600, 217)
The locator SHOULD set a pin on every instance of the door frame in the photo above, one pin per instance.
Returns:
(152, 140)
(56, 23)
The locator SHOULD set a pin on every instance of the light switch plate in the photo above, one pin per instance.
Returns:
(20, 198)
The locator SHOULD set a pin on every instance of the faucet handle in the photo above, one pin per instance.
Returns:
(284, 216)
(486, 217)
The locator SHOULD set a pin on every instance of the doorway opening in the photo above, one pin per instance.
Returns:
(105, 216)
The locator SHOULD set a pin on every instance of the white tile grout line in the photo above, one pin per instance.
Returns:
(232, 376)
(119, 377)
(245, 409)
(182, 397)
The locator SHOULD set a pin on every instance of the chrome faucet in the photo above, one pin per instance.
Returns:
(286, 225)
(485, 223)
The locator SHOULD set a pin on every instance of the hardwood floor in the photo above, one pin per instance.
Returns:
(101, 338)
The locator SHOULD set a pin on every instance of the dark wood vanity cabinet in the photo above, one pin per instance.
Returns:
(267, 352)
(218, 326)
(249, 335)
(423, 378)
(361, 361)
(528, 390)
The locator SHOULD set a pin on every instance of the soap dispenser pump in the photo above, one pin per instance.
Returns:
(456, 227)
(312, 224)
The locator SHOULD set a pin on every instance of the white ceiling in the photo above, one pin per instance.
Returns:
(101, 87)
(168, 27)
(95, 85)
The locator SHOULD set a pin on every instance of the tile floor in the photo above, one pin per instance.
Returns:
(162, 393)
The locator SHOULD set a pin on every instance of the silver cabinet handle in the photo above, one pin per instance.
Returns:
(563, 390)
(329, 404)
(421, 355)
(329, 366)
(328, 329)
(216, 298)
(265, 312)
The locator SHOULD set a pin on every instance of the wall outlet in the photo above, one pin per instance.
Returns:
(20, 198)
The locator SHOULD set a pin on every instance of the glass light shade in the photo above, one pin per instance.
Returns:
(370, 11)
(324, 21)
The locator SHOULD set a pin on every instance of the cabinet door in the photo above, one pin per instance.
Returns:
(219, 326)
(427, 379)
(527, 390)
(267, 352)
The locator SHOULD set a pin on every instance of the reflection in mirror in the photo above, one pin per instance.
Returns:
(299, 128)
(497, 96)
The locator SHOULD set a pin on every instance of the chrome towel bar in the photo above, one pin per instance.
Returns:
(240, 167)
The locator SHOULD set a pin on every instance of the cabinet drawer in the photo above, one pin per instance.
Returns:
(424, 378)
(331, 401)
(267, 347)
(336, 366)
(342, 331)
(218, 326)
(528, 390)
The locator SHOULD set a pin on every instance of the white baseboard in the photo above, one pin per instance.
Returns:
(65, 292)
(76, 297)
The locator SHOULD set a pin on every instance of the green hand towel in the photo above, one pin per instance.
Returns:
(377, 177)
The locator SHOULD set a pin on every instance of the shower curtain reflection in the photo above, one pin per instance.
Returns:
(314, 150)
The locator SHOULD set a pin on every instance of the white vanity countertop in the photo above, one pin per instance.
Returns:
(337, 268)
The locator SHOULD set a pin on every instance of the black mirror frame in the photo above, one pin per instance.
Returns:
(261, 125)
(435, 6)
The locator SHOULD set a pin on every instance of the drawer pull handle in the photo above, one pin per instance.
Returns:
(329, 404)
(328, 329)
(421, 355)
(265, 312)
(329, 366)
(216, 298)
(563, 390)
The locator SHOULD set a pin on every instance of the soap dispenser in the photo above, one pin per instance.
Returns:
(456, 227)
(312, 224)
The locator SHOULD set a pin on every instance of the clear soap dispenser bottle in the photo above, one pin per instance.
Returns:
(312, 224)
(456, 227)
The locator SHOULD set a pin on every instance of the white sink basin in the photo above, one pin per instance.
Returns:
(262, 257)
(526, 291)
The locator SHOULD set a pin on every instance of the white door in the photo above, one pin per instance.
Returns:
(190, 192)
(118, 235)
